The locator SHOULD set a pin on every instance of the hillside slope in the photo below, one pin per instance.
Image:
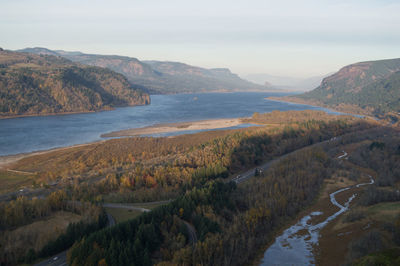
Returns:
(371, 88)
(186, 78)
(161, 77)
(44, 84)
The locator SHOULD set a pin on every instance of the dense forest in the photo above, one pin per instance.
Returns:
(231, 222)
(42, 84)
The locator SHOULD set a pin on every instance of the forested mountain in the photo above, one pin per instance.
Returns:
(161, 77)
(42, 84)
(368, 87)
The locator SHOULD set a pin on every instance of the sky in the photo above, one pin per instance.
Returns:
(286, 37)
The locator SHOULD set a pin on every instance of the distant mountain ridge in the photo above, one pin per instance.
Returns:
(159, 77)
(371, 87)
(33, 84)
(286, 83)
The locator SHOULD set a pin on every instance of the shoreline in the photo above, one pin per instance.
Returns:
(51, 114)
(176, 127)
(313, 104)
(105, 109)
(316, 104)
(7, 160)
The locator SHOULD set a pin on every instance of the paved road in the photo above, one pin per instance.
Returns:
(111, 220)
(122, 206)
(57, 260)
(192, 232)
(250, 173)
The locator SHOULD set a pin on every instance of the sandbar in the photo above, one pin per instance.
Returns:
(176, 127)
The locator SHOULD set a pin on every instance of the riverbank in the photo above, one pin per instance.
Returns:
(177, 127)
(8, 160)
(104, 109)
(343, 108)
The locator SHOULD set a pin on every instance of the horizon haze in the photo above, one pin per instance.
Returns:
(289, 38)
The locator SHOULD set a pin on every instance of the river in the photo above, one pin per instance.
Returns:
(27, 134)
(295, 245)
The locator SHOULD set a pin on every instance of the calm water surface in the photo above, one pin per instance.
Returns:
(27, 134)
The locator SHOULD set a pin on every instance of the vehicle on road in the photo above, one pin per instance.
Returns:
(258, 171)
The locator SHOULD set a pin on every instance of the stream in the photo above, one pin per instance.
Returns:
(295, 245)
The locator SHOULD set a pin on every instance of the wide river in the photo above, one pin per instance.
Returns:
(27, 134)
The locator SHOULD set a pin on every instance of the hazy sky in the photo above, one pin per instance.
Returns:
(285, 37)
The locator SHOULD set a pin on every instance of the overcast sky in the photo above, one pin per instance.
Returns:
(286, 37)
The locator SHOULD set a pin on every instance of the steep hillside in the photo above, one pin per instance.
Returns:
(368, 88)
(186, 78)
(161, 77)
(43, 84)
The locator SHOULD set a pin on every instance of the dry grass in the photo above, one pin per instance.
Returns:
(337, 235)
(386, 211)
(10, 181)
(37, 234)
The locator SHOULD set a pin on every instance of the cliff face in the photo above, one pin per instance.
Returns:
(354, 77)
(161, 77)
(371, 87)
(43, 84)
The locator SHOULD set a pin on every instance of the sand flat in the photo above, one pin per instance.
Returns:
(176, 127)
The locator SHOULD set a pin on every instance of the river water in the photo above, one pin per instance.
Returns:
(295, 245)
(27, 134)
